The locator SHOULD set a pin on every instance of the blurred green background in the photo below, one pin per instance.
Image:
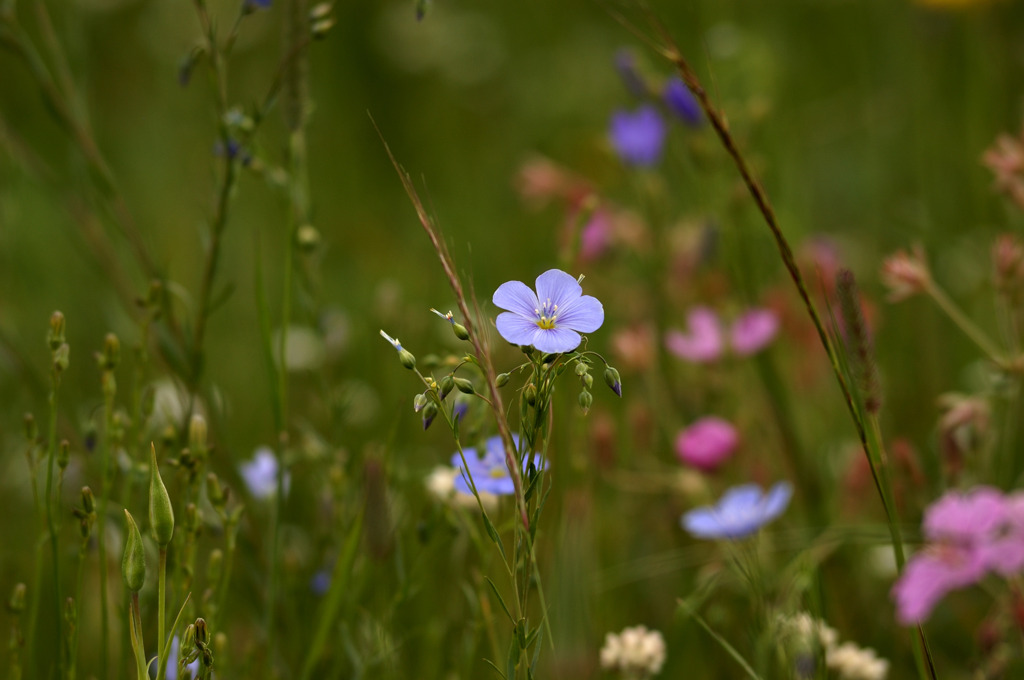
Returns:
(866, 120)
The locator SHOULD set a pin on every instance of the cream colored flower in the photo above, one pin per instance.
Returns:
(636, 651)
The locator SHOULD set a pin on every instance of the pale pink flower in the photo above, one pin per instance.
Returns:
(703, 343)
(753, 331)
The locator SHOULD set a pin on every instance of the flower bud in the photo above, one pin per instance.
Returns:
(502, 379)
(582, 369)
(612, 380)
(133, 564)
(465, 386)
(202, 632)
(587, 380)
(214, 491)
(188, 638)
(161, 513)
(31, 430)
(460, 331)
(193, 518)
(308, 238)
(63, 454)
(447, 385)
(530, 394)
(61, 358)
(320, 28)
(197, 434)
(16, 604)
(429, 413)
(88, 502)
(586, 400)
(407, 359)
(55, 338)
(111, 352)
(418, 402)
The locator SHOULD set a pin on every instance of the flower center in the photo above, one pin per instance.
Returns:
(498, 473)
(547, 315)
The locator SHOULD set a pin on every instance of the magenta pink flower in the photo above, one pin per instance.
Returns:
(753, 331)
(969, 534)
(707, 443)
(703, 342)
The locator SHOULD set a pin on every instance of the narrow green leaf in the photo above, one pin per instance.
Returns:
(500, 600)
(730, 650)
(496, 669)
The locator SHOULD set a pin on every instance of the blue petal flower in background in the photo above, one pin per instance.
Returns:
(740, 512)
(260, 474)
(552, 318)
(490, 474)
(682, 103)
(638, 137)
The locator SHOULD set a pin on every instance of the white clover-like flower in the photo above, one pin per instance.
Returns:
(856, 663)
(807, 631)
(440, 484)
(635, 651)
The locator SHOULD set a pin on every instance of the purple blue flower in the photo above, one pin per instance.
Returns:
(320, 582)
(638, 137)
(260, 474)
(969, 534)
(172, 662)
(489, 473)
(552, 318)
(682, 103)
(707, 443)
(625, 64)
(740, 512)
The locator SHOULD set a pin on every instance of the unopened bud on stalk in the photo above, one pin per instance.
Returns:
(31, 431)
(446, 385)
(133, 564)
(111, 352)
(63, 454)
(586, 400)
(88, 502)
(612, 380)
(197, 434)
(429, 413)
(502, 379)
(465, 386)
(308, 238)
(192, 518)
(202, 633)
(530, 394)
(418, 402)
(55, 338)
(16, 603)
(161, 514)
(587, 380)
(188, 638)
(214, 491)
(61, 358)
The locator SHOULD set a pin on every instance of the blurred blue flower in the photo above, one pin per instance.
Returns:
(740, 512)
(490, 474)
(625, 64)
(682, 103)
(260, 474)
(172, 662)
(253, 5)
(639, 136)
(320, 582)
(552, 318)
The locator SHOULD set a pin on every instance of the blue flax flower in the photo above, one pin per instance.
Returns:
(639, 136)
(682, 103)
(740, 512)
(490, 474)
(552, 318)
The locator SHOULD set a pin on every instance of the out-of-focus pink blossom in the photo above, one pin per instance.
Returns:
(969, 535)
(596, 235)
(753, 331)
(906, 274)
(707, 443)
(703, 343)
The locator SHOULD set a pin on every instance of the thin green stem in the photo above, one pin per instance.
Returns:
(969, 328)
(51, 510)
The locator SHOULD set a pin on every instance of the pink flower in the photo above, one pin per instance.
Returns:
(707, 443)
(753, 331)
(703, 343)
(969, 534)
